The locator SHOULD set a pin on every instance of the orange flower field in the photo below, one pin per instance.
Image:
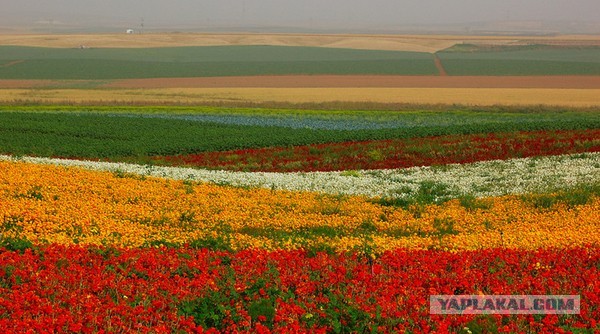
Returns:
(59, 205)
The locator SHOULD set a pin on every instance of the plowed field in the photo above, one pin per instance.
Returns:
(368, 81)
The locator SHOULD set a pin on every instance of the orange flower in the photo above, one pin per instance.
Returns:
(49, 204)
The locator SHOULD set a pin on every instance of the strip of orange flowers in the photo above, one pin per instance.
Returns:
(58, 205)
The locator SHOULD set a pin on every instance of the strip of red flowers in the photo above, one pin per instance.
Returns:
(89, 289)
(398, 153)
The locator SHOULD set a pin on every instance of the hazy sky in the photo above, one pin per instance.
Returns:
(342, 13)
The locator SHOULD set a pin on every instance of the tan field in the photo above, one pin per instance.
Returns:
(241, 96)
(419, 43)
(580, 91)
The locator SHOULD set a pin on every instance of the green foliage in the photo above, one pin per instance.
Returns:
(262, 308)
(543, 201)
(580, 195)
(344, 317)
(471, 203)
(432, 192)
(208, 311)
(15, 244)
(352, 173)
(33, 193)
(209, 242)
(394, 201)
(576, 330)
(375, 155)
(161, 243)
(315, 249)
(368, 227)
(573, 196)
(105, 252)
(6, 281)
(12, 223)
(480, 325)
(429, 192)
(444, 226)
(124, 175)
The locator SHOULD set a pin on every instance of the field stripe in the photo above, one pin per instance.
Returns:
(349, 81)
(480, 179)
(243, 96)
(439, 65)
(341, 81)
(12, 63)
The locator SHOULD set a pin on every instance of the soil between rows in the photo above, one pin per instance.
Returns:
(325, 81)
(300, 81)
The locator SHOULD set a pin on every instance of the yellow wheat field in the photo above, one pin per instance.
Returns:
(373, 42)
(464, 96)
(418, 43)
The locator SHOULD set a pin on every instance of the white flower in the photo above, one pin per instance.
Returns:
(481, 179)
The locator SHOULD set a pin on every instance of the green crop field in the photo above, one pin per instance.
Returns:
(94, 133)
(18, 62)
(89, 64)
(532, 60)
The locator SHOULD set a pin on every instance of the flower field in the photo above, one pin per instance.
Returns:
(398, 153)
(332, 222)
(45, 204)
(140, 134)
(481, 179)
(164, 290)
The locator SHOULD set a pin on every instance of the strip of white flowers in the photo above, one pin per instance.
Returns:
(482, 179)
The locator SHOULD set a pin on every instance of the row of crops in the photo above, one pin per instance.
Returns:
(147, 219)
(107, 64)
(137, 136)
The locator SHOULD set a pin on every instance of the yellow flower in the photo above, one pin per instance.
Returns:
(69, 205)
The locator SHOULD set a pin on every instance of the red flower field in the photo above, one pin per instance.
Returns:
(397, 153)
(159, 290)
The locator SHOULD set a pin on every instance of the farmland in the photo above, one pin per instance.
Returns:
(323, 97)
(209, 61)
(142, 132)
(20, 62)
(532, 60)
(241, 70)
(275, 183)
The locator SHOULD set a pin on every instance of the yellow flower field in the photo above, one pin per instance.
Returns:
(50, 204)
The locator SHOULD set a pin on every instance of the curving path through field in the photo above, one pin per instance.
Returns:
(12, 63)
(438, 64)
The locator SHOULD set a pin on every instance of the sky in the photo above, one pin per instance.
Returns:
(331, 13)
